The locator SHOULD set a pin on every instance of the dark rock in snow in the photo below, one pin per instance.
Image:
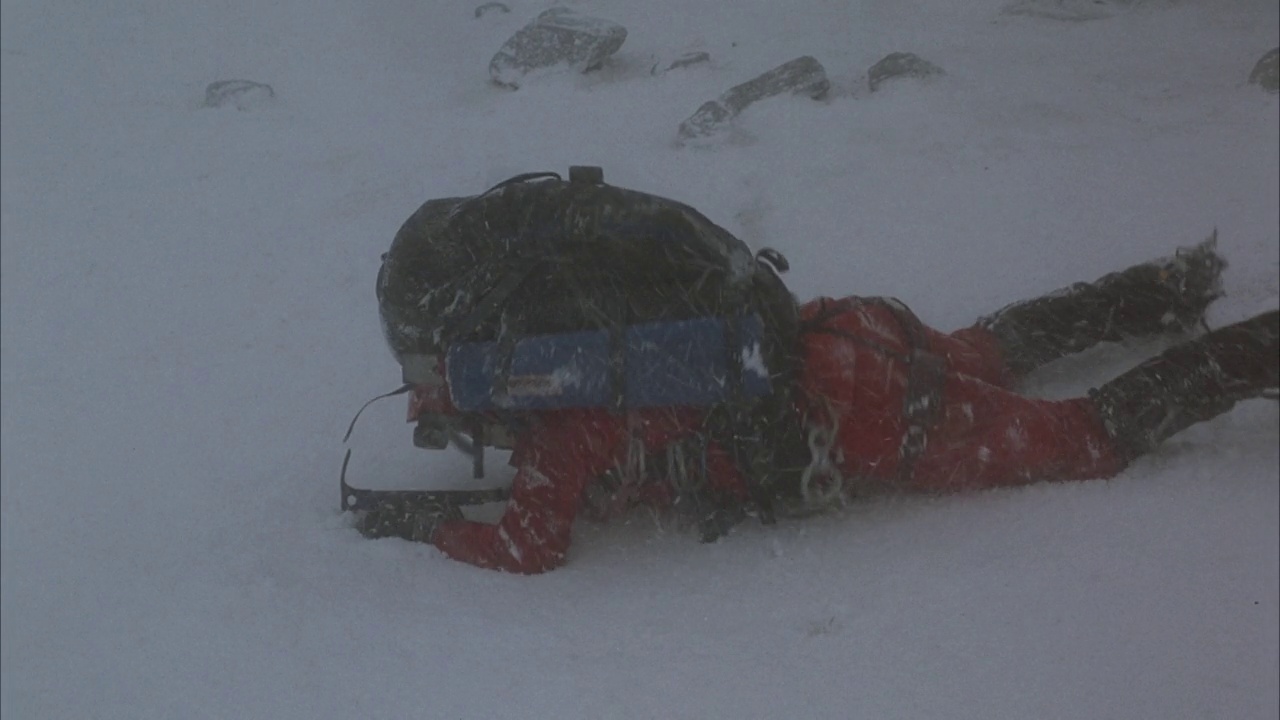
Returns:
(557, 36)
(900, 65)
(481, 10)
(243, 94)
(691, 58)
(707, 120)
(685, 60)
(804, 75)
(682, 62)
(1266, 73)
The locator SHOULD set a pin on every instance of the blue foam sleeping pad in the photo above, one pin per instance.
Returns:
(674, 363)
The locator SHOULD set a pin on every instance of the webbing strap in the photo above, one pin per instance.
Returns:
(522, 177)
(398, 391)
(926, 372)
(488, 305)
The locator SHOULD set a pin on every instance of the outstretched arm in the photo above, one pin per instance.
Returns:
(554, 462)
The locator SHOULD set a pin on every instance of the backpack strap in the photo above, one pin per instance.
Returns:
(926, 372)
(492, 301)
(925, 376)
(521, 178)
(765, 434)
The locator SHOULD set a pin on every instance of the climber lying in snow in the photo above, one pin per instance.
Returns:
(828, 401)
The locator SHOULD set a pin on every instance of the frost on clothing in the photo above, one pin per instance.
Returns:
(555, 461)
(853, 379)
(855, 364)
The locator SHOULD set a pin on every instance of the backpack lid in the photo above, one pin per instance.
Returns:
(538, 254)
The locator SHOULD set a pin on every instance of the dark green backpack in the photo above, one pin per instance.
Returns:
(539, 256)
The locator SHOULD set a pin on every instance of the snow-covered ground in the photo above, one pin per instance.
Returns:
(189, 323)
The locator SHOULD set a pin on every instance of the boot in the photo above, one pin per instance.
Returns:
(1190, 383)
(1161, 296)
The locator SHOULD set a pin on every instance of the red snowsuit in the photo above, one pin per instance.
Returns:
(853, 377)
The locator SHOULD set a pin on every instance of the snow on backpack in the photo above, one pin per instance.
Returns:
(543, 293)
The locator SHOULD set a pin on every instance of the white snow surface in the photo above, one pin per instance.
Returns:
(189, 323)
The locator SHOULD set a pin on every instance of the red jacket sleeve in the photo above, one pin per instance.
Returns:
(554, 462)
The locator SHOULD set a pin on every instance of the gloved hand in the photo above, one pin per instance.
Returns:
(414, 525)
